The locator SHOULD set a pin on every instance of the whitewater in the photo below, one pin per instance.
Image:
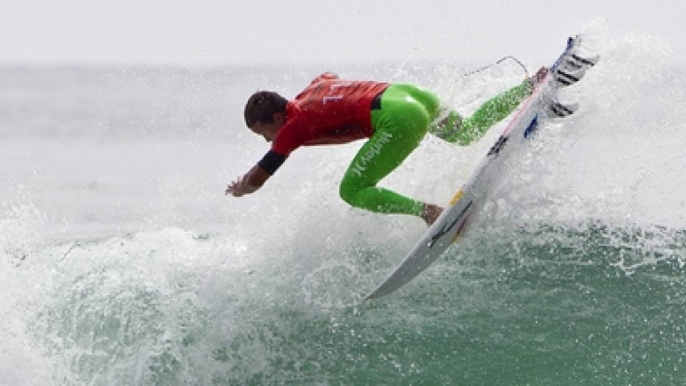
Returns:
(123, 263)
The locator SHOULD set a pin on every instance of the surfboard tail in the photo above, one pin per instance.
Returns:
(567, 70)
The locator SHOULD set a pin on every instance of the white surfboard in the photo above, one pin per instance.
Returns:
(568, 69)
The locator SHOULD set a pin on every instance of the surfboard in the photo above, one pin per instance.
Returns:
(568, 69)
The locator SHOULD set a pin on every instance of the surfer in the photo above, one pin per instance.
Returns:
(394, 116)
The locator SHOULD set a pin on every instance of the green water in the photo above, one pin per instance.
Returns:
(538, 306)
(546, 308)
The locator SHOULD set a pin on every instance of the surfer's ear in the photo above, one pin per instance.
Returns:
(279, 118)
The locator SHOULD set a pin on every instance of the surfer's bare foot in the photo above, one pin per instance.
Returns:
(430, 213)
(538, 77)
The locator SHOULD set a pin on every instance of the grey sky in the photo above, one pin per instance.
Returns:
(214, 32)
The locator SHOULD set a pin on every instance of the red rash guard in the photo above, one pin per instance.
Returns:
(328, 111)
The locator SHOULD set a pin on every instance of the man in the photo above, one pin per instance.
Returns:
(395, 117)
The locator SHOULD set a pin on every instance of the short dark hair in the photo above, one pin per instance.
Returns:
(261, 107)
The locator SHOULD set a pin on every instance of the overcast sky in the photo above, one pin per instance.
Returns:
(224, 32)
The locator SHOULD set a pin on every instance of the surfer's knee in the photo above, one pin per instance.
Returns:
(362, 196)
(347, 193)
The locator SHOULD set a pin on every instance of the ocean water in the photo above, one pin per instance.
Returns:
(123, 263)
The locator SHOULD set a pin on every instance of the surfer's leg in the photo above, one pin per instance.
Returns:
(465, 131)
(400, 125)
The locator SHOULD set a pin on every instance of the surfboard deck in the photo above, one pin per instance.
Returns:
(568, 69)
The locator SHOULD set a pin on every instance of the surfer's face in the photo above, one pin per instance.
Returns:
(268, 130)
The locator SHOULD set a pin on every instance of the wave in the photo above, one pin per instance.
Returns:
(178, 307)
(571, 274)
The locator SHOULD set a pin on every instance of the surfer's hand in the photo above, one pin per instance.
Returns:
(249, 183)
(234, 188)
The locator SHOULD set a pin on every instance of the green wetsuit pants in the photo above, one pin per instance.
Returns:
(407, 113)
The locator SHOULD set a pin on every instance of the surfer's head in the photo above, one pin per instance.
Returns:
(265, 113)
(262, 106)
